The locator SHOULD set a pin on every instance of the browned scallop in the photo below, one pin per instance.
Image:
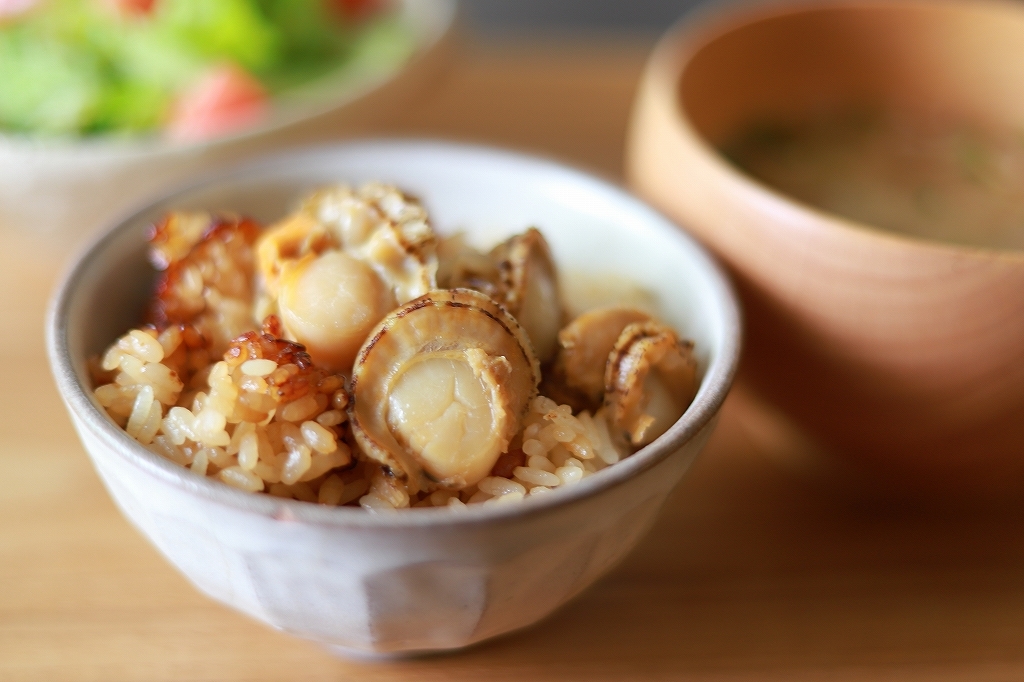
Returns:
(461, 266)
(529, 289)
(440, 388)
(207, 263)
(519, 274)
(650, 380)
(584, 347)
(333, 270)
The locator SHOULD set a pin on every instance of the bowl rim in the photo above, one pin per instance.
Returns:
(306, 101)
(703, 25)
(713, 390)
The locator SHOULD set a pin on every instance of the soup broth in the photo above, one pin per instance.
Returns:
(935, 179)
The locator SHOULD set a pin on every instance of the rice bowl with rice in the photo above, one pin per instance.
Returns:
(445, 377)
(389, 584)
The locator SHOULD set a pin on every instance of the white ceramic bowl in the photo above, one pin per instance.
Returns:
(69, 187)
(419, 579)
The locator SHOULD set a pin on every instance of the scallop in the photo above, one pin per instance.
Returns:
(441, 387)
(460, 265)
(330, 303)
(650, 380)
(519, 274)
(386, 229)
(584, 346)
(336, 267)
(296, 237)
(529, 288)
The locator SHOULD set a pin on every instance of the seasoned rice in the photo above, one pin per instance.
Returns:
(265, 419)
(207, 386)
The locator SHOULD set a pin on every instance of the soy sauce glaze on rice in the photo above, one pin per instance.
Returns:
(348, 356)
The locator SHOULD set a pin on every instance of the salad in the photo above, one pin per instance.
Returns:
(187, 69)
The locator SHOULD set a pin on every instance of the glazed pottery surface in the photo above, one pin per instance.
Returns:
(418, 579)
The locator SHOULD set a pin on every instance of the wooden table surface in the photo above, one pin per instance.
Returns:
(756, 570)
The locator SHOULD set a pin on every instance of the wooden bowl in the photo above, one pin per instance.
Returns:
(903, 355)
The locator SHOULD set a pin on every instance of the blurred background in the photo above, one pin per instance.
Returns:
(555, 78)
(615, 17)
(550, 77)
(755, 570)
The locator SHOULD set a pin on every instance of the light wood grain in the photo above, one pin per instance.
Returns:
(759, 569)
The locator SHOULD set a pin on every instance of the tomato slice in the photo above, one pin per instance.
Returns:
(129, 9)
(136, 7)
(12, 8)
(356, 10)
(224, 100)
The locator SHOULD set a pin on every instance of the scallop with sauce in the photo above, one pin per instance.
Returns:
(330, 303)
(584, 346)
(530, 288)
(461, 266)
(338, 266)
(440, 388)
(386, 229)
(639, 368)
(650, 380)
(519, 274)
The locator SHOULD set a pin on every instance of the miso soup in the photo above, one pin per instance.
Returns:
(942, 180)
